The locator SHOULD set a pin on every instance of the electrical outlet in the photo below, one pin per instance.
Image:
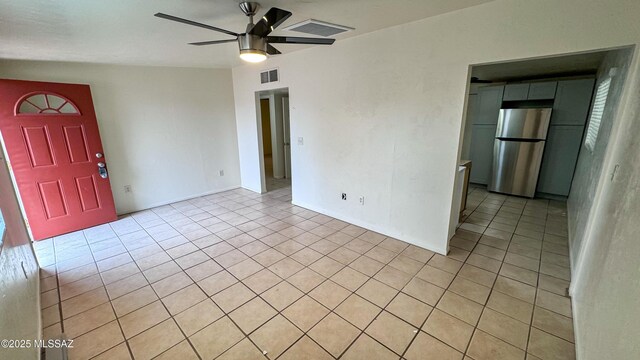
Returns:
(344, 196)
(221, 172)
(127, 188)
(300, 141)
(361, 200)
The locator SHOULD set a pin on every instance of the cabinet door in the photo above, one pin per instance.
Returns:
(559, 160)
(472, 110)
(571, 105)
(542, 90)
(489, 103)
(513, 92)
(481, 153)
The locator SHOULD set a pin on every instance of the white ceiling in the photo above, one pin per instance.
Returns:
(126, 32)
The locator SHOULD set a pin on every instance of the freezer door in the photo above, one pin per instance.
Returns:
(523, 123)
(516, 165)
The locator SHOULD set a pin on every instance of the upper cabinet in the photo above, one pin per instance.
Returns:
(515, 92)
(542, 90)
(572, 102)
(530, 91)
(488, 105)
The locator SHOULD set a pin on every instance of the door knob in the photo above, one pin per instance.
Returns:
(99, 155)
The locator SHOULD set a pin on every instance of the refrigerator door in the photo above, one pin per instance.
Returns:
(523, 123)
(516, 165)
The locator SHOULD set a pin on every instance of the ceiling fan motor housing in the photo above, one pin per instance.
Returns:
(252, 43)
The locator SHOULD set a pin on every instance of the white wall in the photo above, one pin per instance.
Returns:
(607, 287)
(589, 178)
(381, 113)
(166, 131)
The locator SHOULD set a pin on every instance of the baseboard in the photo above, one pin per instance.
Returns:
(574, 320)
(365, 225)
(547, 196)
(572, 283)
(189, 197)
(252, 190)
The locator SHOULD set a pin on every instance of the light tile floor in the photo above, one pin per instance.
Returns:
(239, 275)
(271, 182)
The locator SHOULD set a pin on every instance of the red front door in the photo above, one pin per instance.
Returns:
(51, 136)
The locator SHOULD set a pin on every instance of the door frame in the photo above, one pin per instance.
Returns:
(286, 128)
(261, 95)
(4, 157)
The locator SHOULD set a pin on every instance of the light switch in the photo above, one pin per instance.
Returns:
(300, 141)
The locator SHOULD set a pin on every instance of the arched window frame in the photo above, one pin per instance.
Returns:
(45, 93)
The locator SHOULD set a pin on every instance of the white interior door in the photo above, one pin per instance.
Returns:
(287, 137)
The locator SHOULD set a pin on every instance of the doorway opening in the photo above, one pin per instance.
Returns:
(567, 87)
(275, 139)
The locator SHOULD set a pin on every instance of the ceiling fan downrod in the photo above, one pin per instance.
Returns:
(249, 8)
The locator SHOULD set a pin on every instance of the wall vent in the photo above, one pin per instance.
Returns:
(269, 76)
(319, 28)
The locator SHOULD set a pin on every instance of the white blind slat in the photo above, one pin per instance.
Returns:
(596, 114)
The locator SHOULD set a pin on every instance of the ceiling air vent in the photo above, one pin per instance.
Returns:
(269, 76)
(319, 28)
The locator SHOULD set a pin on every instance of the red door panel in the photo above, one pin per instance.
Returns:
(39, 146)
(76, 144)
(52, 140)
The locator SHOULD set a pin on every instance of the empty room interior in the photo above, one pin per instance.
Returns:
(409, 179)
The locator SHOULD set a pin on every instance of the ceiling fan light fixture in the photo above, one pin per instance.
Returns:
(253, 56)
(252, 48)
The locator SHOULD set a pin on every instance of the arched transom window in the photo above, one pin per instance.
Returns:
(45, 103)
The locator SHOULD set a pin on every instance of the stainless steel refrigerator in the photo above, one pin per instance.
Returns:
(518, 149)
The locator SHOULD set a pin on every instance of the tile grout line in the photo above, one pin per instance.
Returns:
(110, 304)
(171, 316)
(240, 281)
(279, 219)
(538, 273)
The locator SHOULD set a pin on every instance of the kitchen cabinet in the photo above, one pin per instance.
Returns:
(488, 105)
(571, 105)
(572, 102)
(515, 92)
(542, 90)
(560, 159)
(481, 152)
(530, 91)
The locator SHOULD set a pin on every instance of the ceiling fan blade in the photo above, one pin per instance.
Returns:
(271, 20)
(193, 23)
(212, 42)
(298, 40)
(272, 51)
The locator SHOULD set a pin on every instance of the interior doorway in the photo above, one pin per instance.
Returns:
(573, 88)
(275, 134)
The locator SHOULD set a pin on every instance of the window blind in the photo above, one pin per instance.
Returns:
(596, 114)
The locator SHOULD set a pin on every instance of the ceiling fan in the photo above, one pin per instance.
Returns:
(255, 42)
